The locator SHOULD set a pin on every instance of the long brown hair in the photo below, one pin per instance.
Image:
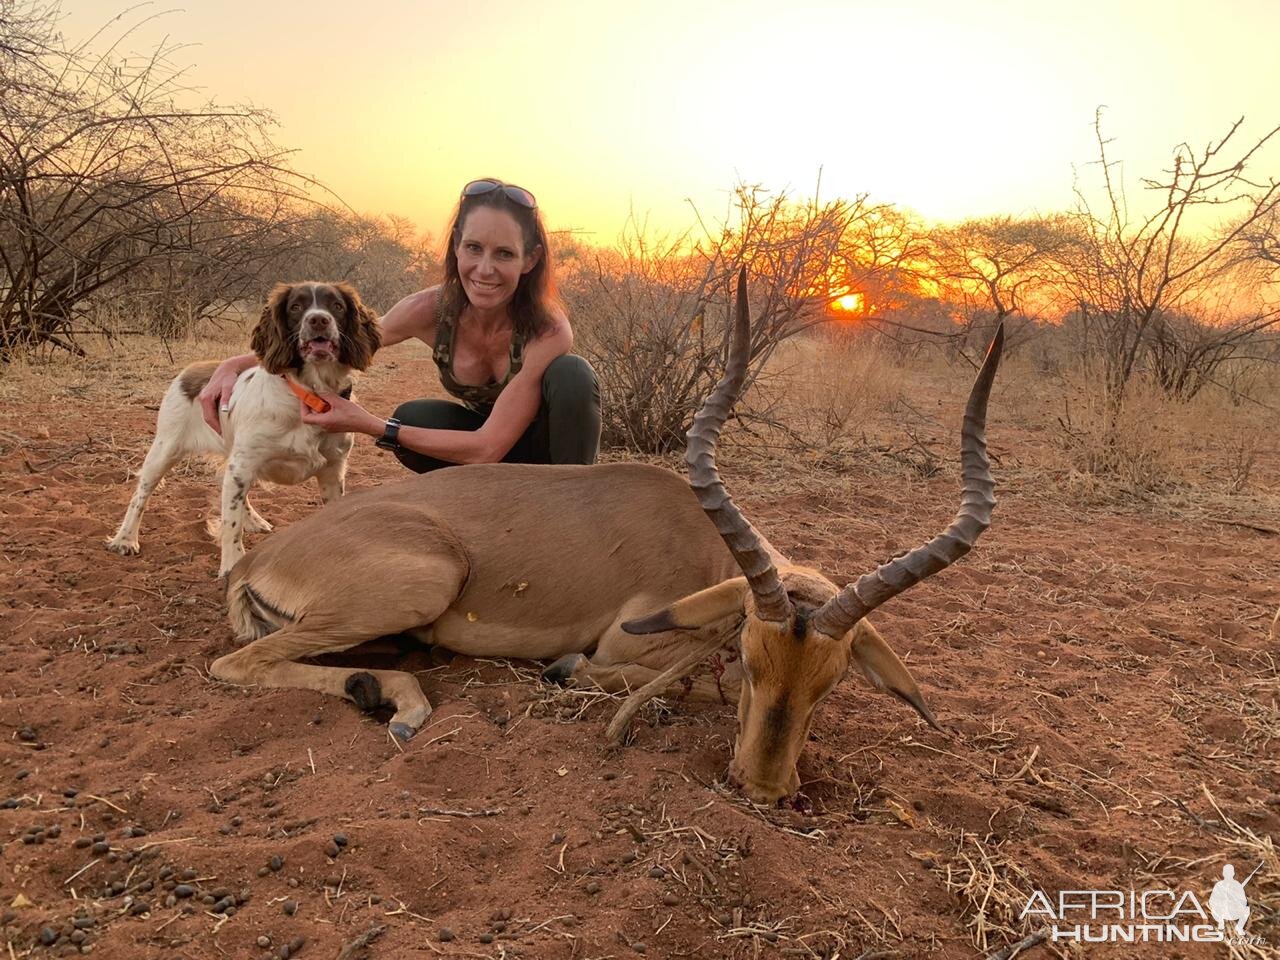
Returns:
(536, 300)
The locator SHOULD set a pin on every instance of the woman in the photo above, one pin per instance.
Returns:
(501, 341)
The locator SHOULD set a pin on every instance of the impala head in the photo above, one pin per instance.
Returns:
(801, 633)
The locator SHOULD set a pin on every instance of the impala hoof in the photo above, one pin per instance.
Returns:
(401, 731)
(561, 672)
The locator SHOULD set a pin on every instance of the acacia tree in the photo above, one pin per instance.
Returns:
(653, 315)
(107, 177)
(1126, 274)
(994, 270)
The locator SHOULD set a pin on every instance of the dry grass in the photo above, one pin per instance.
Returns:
(835, 388)
(992, 889)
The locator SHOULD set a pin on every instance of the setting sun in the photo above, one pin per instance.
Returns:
(849, 303)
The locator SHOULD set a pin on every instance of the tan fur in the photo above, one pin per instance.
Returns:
(192, 380)
(501, 560)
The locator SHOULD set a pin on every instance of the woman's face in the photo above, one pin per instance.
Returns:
(491, 257)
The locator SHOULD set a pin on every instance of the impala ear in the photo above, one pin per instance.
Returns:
(696, 610)
(885, 671)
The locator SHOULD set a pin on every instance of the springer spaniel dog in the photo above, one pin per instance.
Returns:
(311, 337)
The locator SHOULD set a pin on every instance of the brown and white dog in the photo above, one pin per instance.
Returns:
(316, 334)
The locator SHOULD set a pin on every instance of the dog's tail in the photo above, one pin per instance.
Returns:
(252, 617)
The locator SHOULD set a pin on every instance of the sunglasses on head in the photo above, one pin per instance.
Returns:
(517, 195)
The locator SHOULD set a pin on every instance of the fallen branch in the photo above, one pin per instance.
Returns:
(1248, 526)
(1026, 943)
(657, 686)
(349, 949)
(442, 812)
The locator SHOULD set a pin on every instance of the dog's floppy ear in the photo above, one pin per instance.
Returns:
(273, 339)
(361, 335)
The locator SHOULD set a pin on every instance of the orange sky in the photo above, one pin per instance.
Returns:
(951, 109)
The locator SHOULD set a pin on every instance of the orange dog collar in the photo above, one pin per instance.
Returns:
(317, 403)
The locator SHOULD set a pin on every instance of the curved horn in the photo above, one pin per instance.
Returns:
(743, 541)
(855, 601)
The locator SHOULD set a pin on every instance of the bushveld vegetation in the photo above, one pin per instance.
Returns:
(124, 212)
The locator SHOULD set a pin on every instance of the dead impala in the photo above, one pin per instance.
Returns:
(584, 564)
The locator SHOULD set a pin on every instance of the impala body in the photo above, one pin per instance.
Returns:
(628, 574)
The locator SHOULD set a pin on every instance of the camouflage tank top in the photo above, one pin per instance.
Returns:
(479, 398)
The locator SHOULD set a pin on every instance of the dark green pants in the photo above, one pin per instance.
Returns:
(566, 429)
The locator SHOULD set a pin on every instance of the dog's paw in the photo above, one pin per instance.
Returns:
(126, 548)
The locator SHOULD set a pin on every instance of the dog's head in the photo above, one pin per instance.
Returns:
(315, 322)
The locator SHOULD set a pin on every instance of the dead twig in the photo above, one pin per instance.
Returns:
(1015, 949)
(1248, 526)
(657, 686)
(443, 812)
(349, 949)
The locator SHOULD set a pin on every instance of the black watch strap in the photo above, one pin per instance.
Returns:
(390, 439)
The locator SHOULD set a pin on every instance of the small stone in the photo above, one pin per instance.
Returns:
(78, 936)
(223, 905)
(22, 774)
(139, 907)
(593, 887)
(296, 944)
(290, 907)
(70, 792)
(670, 898)
(81, 843)
(293, 881)
(264, 942)
(276, 863)
(48, 936)
(639, 946)
(263, 871)
(657, 873)
(27, 735)
(486, 938)
(101, 847)
(340, 839)
(332, 850)
(183, 890)
(55, 831)
(236, 821)
(445, 935)
(187, 874)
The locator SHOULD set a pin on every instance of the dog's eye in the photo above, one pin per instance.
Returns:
(295, 307)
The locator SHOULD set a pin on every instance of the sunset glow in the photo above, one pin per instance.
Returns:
(654, 113)
(849, 303)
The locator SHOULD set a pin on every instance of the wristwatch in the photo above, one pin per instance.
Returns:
(390, 439)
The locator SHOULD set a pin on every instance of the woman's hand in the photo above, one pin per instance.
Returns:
(343, 416)
(215, 398)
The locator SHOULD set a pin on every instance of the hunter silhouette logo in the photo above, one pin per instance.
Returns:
(1228, 902)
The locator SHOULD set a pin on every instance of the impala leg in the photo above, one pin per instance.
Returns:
(262, 597)
(713, 681)
(269, 663)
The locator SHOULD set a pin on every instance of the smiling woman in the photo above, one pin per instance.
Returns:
(501, 341)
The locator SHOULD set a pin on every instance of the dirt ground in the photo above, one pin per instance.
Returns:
(1104, 667)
